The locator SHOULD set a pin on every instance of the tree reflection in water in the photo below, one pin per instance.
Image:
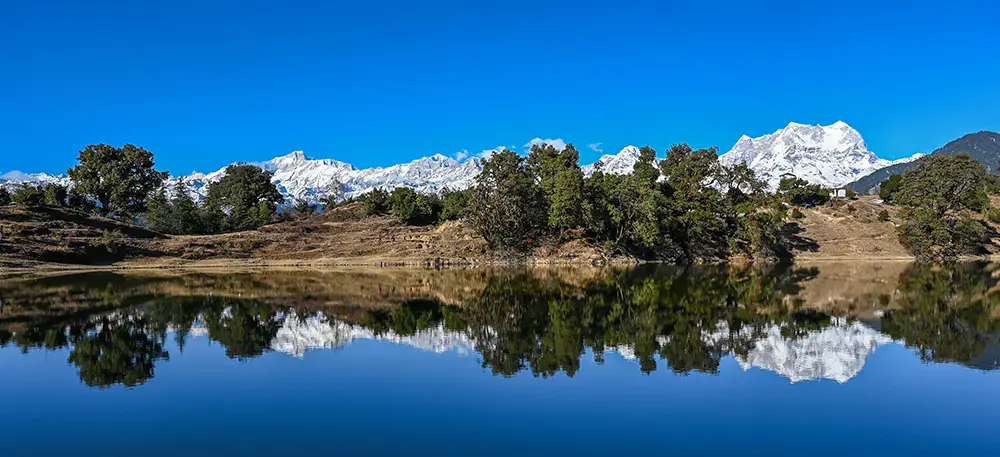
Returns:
(685, 320)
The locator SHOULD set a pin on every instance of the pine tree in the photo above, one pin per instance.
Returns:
(185, 211)
(159, 215)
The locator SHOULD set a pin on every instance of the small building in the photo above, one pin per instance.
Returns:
(840, 192)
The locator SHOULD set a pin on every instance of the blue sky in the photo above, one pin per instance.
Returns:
(205, 83)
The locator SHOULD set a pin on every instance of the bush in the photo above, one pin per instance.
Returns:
(883, 216)
(993, 214)
(413, 208)
(28, 195)
(375, 202)
(454, 205)
(929, 236)
(796, 214)
(799, 192)
(851, 194)
(113, 240)
(4, 196)
(889, 187)
(55, 194)
(78, 201)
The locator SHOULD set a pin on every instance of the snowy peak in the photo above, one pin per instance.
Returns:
(619, 164)
(832, 155)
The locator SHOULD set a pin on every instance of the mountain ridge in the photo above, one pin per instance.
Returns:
(832, 156)
(984, 146)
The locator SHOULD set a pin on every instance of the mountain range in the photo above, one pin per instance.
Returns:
(834, 155)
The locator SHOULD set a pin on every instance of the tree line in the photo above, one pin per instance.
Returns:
(685, 207)
(945, 206)
(123, 183)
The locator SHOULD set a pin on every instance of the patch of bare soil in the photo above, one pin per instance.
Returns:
(849, 229)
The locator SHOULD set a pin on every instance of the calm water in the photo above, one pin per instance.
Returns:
(880, 359)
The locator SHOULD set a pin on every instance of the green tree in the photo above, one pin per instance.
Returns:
(4, 196)
(944, 183)
(159, 214)
(246, 196)
(889, 187)
(376, 201)
(799, 192)
(644, 168)
(76, 200)
(930, 235)
(55, 194)
(28, 195)
(454, 205)
(941, 197)
(188, 218)
(566, 197)
(504, 204)
(119, 179)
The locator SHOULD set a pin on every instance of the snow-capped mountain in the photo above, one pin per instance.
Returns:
(619, 164)
(298, 176)
(16, 177)
(832, 155)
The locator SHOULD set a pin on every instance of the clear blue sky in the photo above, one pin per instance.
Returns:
(204, 83)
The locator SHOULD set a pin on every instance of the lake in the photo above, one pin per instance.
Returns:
(830, 359)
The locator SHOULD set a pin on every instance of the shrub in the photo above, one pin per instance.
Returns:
(883, 216)
(4, 196)
(851, 194)
(113, 240)
(454, 205)
(796, 214)
(889, 187)
(799, 192)
(413, 208)
(28, 195)
(376, 201)
(55, 194)
(993, 214)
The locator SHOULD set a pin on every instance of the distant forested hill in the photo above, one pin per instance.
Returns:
(983, 146)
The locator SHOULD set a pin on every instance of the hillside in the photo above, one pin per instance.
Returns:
(345, 236)
(848, 229)
(983, 146)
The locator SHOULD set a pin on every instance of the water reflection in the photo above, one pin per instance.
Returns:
(115, 327)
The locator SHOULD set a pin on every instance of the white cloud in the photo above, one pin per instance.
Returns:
(558, 143)
(487, 153)
(596, 147)
(461, 155)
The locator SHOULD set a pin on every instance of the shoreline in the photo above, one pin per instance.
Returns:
(9, 265)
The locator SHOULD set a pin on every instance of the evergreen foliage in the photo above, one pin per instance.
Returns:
(376, 201)
(245, 197)
(799, 192)
(118, 179)
(940, 197)
(889, 187)
(28, 195)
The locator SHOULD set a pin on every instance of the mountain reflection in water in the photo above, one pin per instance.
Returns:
(115, 327)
